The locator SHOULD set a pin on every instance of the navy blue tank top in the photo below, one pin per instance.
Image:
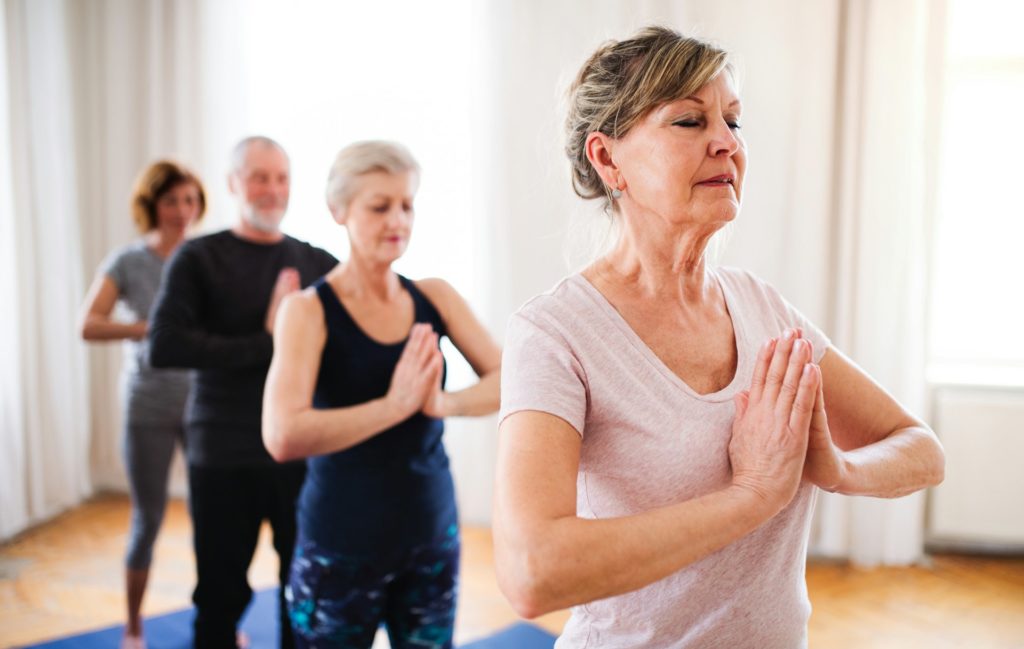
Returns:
(393, 491)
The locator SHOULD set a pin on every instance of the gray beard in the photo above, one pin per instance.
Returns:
(257, 221)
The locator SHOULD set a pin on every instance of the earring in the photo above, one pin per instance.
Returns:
(616, 193)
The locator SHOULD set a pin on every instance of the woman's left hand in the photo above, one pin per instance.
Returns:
(825, 465)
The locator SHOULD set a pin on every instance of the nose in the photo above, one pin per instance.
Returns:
(280, 187)
(724, 141)
(397, 217)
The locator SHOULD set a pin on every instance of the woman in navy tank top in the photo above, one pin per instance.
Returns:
(357, 386)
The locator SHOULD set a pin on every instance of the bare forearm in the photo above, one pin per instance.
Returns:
(318, 432)
(477, 400)
(906, 461)
(572, 560)
(99, 329)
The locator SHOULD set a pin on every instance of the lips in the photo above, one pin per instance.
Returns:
(722, 179)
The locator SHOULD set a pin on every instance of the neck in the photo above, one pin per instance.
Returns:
(364, 278)
(659, 260)
(243, 230)
(164, 242)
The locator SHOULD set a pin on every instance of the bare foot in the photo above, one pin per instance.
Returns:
(133, 642)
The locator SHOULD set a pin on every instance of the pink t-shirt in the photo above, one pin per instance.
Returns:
(649, 441)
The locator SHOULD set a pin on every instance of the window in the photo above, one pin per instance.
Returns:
(977, 301)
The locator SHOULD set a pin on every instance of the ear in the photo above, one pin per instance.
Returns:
(233, 181)
(340, 214)
(599, 151)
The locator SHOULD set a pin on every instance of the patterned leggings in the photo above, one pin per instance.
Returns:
(338, 601)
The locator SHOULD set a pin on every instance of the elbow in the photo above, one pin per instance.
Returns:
(86, 331)
(937, 466)
(524, 581)
(932, 457)
(525, 603)
(277, 449)
(276, 441)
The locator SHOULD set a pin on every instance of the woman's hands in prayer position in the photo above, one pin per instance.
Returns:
(415, 384)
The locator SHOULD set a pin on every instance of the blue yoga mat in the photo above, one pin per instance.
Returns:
(174, 631)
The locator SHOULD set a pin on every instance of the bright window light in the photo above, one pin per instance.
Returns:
(977, 306)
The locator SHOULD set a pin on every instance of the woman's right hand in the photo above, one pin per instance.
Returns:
(416, 372)
(770, 432)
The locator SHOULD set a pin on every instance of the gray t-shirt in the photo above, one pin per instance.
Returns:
(148, 393)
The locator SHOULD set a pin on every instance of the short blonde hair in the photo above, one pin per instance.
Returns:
(622, 82)
(156, 180)
(362, 158)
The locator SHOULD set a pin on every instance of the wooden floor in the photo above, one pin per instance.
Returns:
(65, 577)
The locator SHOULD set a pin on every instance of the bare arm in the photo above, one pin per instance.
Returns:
(539, 537)
(863, 442)
(95, 323)
(292, 428)
(476, 344)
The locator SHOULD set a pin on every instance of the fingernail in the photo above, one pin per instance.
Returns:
(788, 334)
(767, 344)
(808, 369)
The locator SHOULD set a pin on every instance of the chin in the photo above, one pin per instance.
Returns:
(266, 221)
(390, 257)
(724, 213)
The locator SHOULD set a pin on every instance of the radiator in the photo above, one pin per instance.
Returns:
(980, 505)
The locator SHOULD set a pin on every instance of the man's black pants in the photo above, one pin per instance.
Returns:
(228, 505)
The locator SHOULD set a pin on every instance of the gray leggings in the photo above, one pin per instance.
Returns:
(148, 450)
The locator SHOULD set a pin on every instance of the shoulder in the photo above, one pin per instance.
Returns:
(127, 261)
(204, 244)
(305, 246)
(303, 310)
(200, 255)
(320, 257)
(438, 291)
(569, 314)
(441, 297)
(571, 300)
(126, 253)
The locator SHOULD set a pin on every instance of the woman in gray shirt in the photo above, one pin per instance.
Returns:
(166, 201)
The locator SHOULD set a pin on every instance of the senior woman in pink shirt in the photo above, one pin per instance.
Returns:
(664, 424)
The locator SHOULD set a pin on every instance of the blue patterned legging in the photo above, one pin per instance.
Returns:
(338, 601)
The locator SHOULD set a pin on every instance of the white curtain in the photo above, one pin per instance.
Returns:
(44, 463)
(92, 91)
(137, 96)
(878, 285)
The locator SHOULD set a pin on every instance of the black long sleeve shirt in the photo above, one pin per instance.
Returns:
(210, 315)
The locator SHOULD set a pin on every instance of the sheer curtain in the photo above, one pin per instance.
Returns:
(137, 91)
(879, 237)
(44, 463)
(92, 91)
